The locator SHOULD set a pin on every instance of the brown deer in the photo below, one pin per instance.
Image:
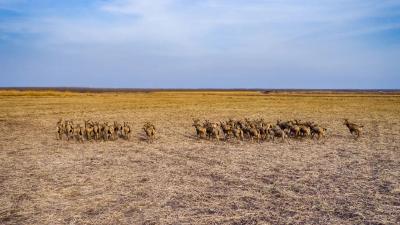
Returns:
(354, 129)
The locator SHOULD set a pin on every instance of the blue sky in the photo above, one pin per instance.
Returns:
(200, 43)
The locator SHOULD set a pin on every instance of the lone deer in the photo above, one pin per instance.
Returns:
(354, 129)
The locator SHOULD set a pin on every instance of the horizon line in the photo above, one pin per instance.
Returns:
(111, 89)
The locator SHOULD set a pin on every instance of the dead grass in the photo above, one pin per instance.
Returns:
(181, 180)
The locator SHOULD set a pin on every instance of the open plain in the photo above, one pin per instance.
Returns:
(179, 179)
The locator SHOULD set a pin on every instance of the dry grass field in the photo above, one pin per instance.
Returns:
(179, 179)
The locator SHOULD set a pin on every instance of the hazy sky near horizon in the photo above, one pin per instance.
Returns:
(200, 43)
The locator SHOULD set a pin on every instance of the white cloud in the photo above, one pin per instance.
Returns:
(195, 23)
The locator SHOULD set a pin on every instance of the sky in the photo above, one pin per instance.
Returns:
(332, 44)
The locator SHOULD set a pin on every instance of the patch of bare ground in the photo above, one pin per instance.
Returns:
(179, 179)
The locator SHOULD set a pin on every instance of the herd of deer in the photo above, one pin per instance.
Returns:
(260, 130)
(240, 129)
(93, 130)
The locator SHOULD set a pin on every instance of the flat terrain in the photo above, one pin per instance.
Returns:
(179, 179)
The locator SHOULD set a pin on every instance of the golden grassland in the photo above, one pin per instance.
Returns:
(179, 179)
